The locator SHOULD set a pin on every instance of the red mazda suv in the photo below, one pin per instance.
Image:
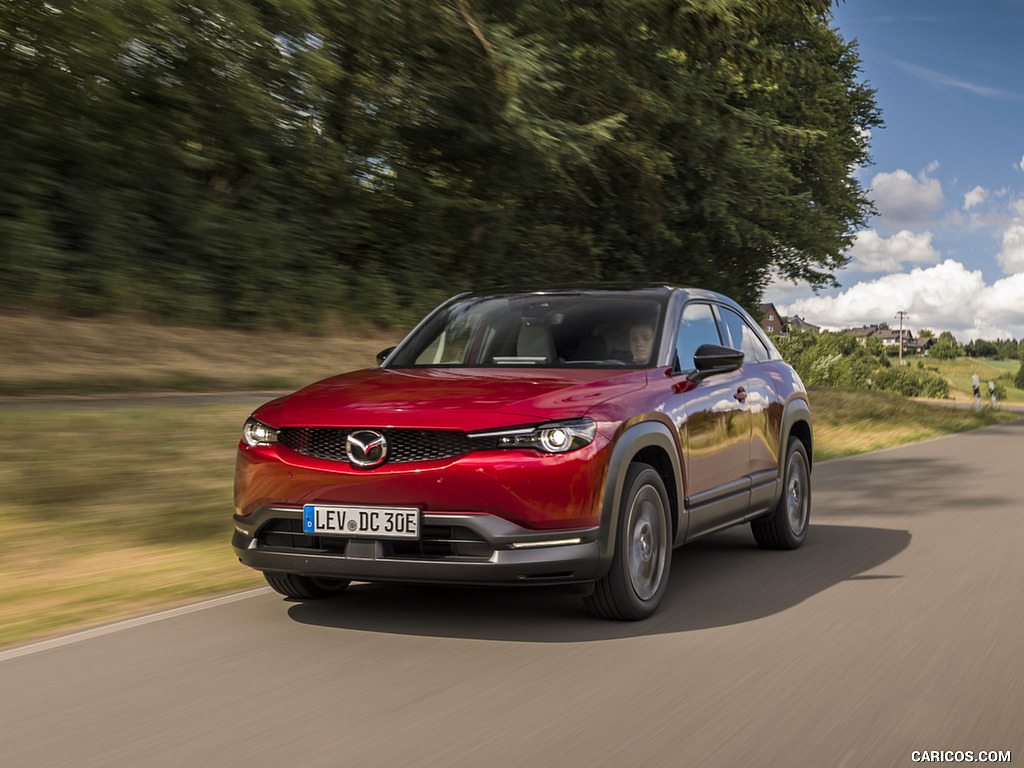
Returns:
(532, 437)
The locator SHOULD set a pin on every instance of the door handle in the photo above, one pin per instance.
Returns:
(741, 394)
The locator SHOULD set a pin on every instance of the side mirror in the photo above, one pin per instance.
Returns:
(712, 360)
(383, 355)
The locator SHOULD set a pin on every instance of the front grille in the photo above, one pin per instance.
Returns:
(404, 445)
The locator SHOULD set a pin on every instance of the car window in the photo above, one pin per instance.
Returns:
(451, 345)
(739, 335)
(696, 327)
(577, 329)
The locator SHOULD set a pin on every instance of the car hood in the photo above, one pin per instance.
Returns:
(449, 398)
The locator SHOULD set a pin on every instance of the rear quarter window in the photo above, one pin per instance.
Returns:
(738, 334)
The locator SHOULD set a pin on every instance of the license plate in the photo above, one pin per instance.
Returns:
(363, 522)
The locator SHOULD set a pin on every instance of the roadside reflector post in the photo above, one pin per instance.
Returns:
(977, 390)
(992, 391)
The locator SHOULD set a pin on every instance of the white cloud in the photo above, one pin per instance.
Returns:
(782, 291)
(904, 201)
(975, 197)
(863, 135)
(1021, 166)
(874, 253)
(944, 297)
(1011, 258)
(1004, 303)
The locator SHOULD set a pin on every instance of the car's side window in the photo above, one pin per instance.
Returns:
(697, 327)
(739, 335)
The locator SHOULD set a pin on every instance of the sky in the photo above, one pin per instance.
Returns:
(947, 173)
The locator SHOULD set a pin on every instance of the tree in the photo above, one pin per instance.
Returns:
(1007, 349)
(946, 347)
(235, 161)
(981, 348)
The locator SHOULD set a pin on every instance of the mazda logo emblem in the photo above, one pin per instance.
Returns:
(366, 448)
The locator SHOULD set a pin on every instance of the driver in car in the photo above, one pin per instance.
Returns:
(641, 342)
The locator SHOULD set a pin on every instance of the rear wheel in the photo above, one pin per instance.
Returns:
(305, 587)
(638, 577)
(786, 527)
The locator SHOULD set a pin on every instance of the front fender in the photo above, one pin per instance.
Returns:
(632, 441)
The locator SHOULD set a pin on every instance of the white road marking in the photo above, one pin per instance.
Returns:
(120, 626)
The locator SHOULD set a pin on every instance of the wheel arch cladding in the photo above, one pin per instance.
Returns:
(650, 442)
(656, 456)
(796, 422)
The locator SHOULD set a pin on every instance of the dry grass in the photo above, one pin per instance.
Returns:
(849, 422)
(41, 355)
(51, 592)
(104, 513)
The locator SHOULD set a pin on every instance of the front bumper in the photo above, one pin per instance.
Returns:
(454, 548)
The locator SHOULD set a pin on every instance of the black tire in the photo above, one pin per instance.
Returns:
(636, 582)
(305, 587)
(786, 526)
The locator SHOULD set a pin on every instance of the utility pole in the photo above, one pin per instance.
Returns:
(901, 314)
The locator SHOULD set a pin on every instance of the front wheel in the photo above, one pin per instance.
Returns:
(786, 526)
(304, 587)
(638, 577)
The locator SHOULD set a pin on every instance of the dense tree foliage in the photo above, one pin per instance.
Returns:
(946, 347)
(263, 161)
(1000, 349)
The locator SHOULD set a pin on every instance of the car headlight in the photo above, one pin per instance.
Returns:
(255, 432)
(552, 437)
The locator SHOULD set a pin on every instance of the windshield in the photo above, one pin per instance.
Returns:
(595, 330)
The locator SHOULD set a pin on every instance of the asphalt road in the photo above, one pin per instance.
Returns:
(898, 627)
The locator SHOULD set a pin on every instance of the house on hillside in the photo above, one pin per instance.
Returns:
(797, 323)
(891, 336)
(921, 345)
(772, 322)
(865, 332)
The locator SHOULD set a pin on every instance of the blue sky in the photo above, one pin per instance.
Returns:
(947, 177)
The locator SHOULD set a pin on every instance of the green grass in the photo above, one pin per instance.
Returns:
(108, 512)
(960, 371)
(848, 422)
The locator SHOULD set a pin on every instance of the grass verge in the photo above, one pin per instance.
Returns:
(848, 422)
(108, 512)
(74, 356)
(960, 371)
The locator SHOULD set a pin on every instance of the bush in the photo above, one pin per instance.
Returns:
(832, 360)
(822, 371)
(1018, 380)
(911, 383)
